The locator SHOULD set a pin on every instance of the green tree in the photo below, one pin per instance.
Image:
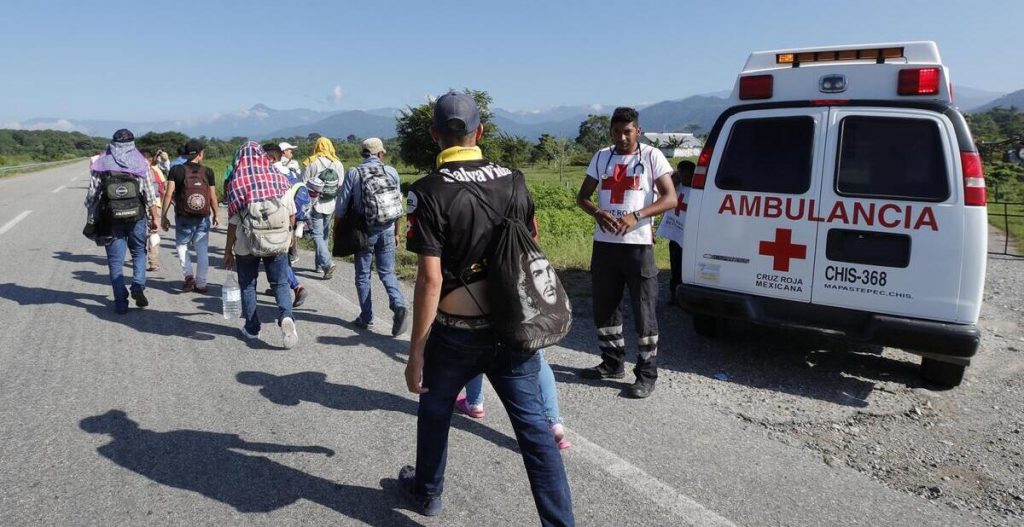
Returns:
(169, 142)
(412, 126)
(594, 132)
(510, 150)
(561, 151)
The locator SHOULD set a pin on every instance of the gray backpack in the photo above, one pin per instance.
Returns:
(382, 198)
(266, 226)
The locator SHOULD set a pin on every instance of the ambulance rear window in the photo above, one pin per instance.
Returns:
(768, 155)
(893, 158)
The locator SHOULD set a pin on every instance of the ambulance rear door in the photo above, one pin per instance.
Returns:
(756, 231)
(892, 236)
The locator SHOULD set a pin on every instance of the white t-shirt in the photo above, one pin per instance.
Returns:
(322, 163)
(626, 184)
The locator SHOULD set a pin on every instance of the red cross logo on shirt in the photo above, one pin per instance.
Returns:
(619, 183)
(680, 205)
(782, 250)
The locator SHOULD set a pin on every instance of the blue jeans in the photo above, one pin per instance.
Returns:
(380, 246)
(248, 268)
(321, 227)
(546, 377)
(193, 230)
(451, 358)
(127, 237)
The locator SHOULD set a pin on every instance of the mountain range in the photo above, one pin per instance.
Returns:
(696, 113)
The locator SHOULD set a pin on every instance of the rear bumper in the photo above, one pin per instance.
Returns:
(955, 343)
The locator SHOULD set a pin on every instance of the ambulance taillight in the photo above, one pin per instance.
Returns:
(756, 87)
(919, 81)
(974, 179)
(700, 173)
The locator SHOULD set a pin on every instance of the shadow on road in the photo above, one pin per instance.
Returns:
(149, 320)
(791, 362)
(312, 386)
(207, 463)
(396, 350)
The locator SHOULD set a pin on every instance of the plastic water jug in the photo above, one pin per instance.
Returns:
(231, 298)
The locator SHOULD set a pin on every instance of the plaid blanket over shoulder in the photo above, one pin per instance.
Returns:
(255, 179)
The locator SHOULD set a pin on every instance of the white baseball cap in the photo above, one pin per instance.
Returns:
(373, 146)
(286, 146)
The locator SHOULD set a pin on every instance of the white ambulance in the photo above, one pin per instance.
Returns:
(841, 192)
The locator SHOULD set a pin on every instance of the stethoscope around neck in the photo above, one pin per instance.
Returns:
(635, 169)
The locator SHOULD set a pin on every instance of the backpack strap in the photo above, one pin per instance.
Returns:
(495, 214)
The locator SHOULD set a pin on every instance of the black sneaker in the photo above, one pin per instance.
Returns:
(140, 298)
(362, 325)
(642, 388)
(426, 506)
(400, 324)
(602, 371)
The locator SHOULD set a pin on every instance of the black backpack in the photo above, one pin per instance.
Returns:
(530, 309)
(122, 198)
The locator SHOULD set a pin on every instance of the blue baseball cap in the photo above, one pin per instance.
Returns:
(457, 113)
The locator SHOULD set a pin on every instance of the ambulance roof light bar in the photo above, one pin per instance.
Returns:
(925, 53)
(879, 55)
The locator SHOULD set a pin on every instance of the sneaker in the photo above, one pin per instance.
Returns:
(329, 273)
(427, 506)
(291, 335)
(476, 411)
(249, 336)
(190, 284)
(401, 322)
(602, 371)
(201, 289)
(642, 388)
(558, 431)
(140, 298)
(300, 296)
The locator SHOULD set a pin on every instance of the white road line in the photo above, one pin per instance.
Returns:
(645, 484)
(58, 189)
(7, 226)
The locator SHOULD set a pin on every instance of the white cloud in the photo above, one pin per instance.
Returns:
(597, 107)
(336, 95)
(11, 125)
(62, 125)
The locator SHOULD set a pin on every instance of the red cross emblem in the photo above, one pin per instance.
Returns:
(782, 250)
(619, 183)
(680, 205)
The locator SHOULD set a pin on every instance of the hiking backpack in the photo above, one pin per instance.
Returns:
(331, 180)
(122, 198)
(266, 225)
(382, 198)
(194, 198)
(530, 309)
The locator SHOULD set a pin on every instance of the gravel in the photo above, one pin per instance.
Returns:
(866, 407)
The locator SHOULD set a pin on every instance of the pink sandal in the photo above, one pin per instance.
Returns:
(476, 411)
(559, 432)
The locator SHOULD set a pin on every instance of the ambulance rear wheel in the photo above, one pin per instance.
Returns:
(943, 374)
(707, 326)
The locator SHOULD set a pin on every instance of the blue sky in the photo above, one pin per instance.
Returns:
(125, 60)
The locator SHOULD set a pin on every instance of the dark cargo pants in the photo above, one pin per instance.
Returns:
(613, 267)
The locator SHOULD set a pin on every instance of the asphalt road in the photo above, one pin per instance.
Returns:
(165, 416)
